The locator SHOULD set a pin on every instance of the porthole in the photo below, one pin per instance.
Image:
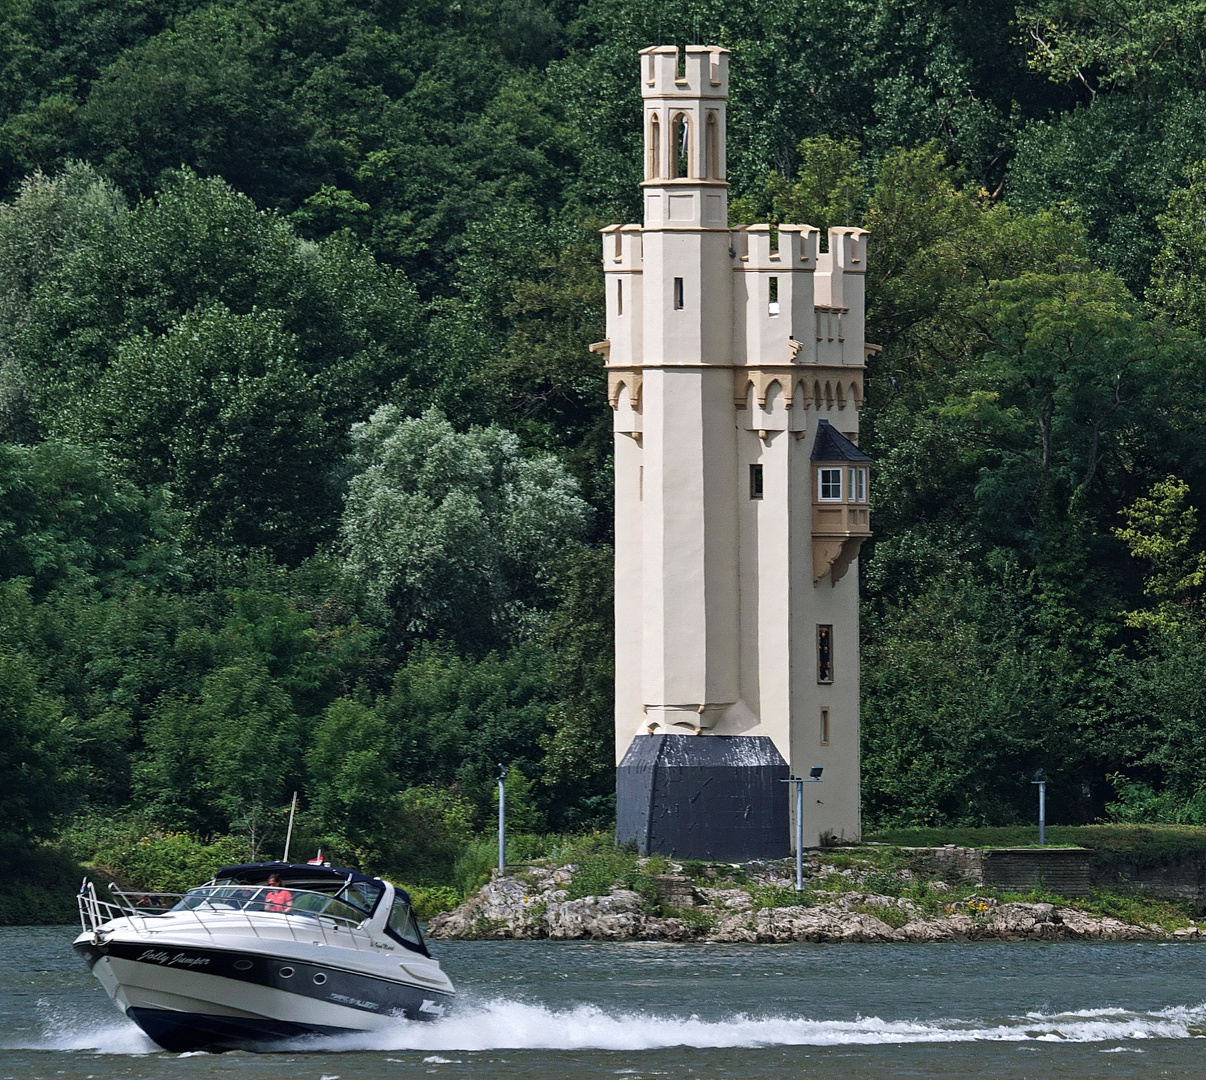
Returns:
(319, 979)
(286, 973)
(242, 965)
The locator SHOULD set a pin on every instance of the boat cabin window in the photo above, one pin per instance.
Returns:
(363, 894)
(402, 925)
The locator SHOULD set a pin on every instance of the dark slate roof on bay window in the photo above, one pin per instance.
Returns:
(831, 445)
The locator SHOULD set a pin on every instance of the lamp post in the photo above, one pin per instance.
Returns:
(502, 818)
(1040, 779)
(813, 777)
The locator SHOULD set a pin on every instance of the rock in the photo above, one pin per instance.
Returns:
(726, 899)
(537, 906)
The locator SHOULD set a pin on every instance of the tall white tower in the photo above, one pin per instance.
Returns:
(735, 365)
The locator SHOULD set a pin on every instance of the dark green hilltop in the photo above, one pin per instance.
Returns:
(305, 466)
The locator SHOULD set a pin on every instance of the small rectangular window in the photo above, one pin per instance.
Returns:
(678, 293)
(755, 481)
(861, 486)
(619, 298)
(829, 485)
(824, 727)
(824, 652)
(640, 483)
(772, 307)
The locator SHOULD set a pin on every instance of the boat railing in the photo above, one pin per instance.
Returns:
(324, 913)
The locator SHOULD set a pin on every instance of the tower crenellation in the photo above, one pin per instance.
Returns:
(735, 358)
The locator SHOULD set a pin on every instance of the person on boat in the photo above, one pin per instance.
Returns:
(278, 898)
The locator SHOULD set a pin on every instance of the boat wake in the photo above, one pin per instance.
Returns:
(512, 1025)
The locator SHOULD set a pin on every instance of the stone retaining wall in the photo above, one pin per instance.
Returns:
(1066, 871)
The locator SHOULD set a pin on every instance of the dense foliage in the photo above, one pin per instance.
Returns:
(304, 463)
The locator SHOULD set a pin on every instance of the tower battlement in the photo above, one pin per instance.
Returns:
(704, 72)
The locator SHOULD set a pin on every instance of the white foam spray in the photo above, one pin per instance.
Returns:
(503, 1024)
(511, 1025)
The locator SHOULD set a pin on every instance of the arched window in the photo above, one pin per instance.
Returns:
(680, 146)
(712, 146)
(655, 148)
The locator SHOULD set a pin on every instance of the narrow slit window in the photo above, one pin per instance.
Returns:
(640, 483)
(861, 485)
(824, 727)
(712, 146)
(829, 485)
(655, 148)
(755, 481)
(678, 293)
(824, 652)
(619, 298)
(772, 307)
(618, 254)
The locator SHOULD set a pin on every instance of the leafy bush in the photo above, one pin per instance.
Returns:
(776, 896)
(429, 900)
(894, 916)
(477, 861)
(37, 886)
(170, 862)
(883, 883)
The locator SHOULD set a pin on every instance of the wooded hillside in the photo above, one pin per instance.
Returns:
(305, 466)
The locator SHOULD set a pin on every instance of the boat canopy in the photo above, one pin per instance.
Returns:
(299, 875)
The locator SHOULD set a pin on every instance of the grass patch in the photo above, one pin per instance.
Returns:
(894, 916)
(777, 896)
(1148, 845)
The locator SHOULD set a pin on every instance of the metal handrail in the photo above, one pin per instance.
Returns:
(96, 913)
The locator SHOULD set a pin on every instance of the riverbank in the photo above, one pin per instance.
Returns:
(850, 895)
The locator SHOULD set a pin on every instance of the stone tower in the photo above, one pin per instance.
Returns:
(735, 362)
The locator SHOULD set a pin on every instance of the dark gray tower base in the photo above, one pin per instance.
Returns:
(712, 797)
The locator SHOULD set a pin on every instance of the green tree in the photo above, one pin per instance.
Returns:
(352, 787)
(225, 759)
(1178, 285)
(1161, 530)
(66, 522)
(452, 533)
(221, 410)
(37, 793)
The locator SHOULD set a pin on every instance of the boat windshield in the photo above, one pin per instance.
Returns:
(268, 898)
(402, 926)
(362, 894)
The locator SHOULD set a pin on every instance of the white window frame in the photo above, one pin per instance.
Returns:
(858, 485)
(823, 482)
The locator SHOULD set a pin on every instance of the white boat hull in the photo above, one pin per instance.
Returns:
(187, 995)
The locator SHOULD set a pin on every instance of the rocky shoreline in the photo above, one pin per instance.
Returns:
(537, 905)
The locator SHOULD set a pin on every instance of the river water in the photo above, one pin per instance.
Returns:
(570, 1010)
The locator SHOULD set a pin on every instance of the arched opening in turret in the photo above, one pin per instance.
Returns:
(655, 148)
(712, 146)
(680, 146)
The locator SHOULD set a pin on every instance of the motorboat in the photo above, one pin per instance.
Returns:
(239, 963)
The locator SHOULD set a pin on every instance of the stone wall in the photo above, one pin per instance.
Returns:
(1066, 871)
(1184, 880)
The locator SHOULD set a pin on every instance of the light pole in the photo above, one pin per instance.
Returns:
(502, 818)
(1041, 779)
(813, 777)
